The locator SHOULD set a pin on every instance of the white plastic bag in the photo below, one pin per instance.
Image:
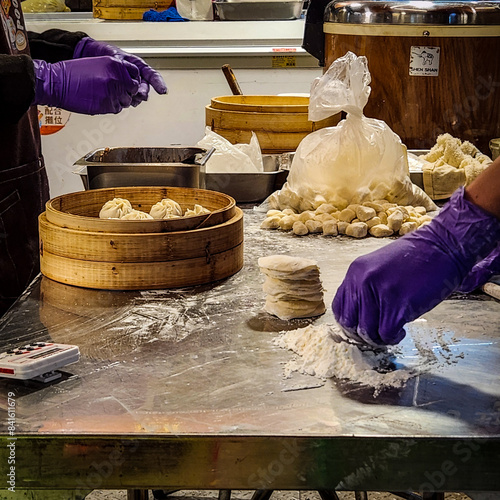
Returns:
(231, 158)
(195, 10)
(360, 159)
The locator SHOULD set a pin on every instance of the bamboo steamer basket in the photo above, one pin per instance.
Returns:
(434, 65)
(280, 122)
(77, 248)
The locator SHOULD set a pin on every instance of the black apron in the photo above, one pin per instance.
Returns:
(24, 187)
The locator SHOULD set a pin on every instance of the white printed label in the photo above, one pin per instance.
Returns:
(424, 61)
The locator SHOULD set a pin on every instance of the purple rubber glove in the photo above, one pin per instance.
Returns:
(89, 86)
(88, 47)
(482, 272)
(386, 289)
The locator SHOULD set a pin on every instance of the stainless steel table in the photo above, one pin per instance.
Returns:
(182, 389)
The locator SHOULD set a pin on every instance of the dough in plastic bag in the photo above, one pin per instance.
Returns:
(360, 159)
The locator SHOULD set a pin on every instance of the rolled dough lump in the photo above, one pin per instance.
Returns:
(293, 287)
(355, 220)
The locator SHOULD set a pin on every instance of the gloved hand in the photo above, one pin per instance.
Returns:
(482, 272)
(88, 47)
(401, 281)
(89, 86)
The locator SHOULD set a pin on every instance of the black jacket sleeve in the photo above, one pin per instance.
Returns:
(314, 38)
(54, 45)
(17, 86)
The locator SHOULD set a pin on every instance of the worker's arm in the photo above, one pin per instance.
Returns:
(17, 87)
(386, 289)
(484, 191)
(54, 45)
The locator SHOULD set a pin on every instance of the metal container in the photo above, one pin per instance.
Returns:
(433, 64)
(247, 187)
(118, 167)
(258, 10)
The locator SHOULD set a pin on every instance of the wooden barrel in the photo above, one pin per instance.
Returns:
(427, 77)
(78, 248)
(280, 122)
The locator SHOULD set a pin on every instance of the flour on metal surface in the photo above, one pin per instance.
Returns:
(321, 356)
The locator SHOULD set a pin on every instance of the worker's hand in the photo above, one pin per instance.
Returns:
(88, 47)
(386, 289)
(482, 272)
(89, 86)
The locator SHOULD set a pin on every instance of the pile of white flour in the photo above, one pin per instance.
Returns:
(321, 356)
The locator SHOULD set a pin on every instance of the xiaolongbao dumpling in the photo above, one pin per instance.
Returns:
(197, 210)
(166, 209)
(136, 215)
(115, 208)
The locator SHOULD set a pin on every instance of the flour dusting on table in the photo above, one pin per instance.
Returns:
(323, 357)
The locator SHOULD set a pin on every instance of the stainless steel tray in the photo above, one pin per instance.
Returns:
(258, 10)
(181, 167)
(117, 167)
(247, 187)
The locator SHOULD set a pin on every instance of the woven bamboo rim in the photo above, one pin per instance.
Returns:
(80, 210)
(262, 103)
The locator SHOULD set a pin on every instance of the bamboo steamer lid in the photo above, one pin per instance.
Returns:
(78, 248)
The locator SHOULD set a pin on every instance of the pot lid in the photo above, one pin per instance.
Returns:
(438, 12)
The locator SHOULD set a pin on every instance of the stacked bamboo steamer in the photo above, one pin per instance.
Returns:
(78, 248)
(280, 122)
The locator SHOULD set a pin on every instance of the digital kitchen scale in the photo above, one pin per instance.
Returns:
(37, 361)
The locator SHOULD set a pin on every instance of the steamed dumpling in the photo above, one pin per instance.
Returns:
(115, 208)
(197, 210)
(166, 209)
(136, 215)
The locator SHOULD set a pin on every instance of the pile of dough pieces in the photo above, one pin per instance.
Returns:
(120, 208)
(378, 218)
(293, 287)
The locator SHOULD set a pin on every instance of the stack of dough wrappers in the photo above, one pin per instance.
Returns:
(293, 287)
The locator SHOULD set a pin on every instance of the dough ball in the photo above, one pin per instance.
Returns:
(307, 215)
(299, 228)
(421, 210)
(115, 209)
(286, 222)
(342, 226)
(288, 211)
(330, 228)
(136, 215)
(425, 219)
(270, 213)
(314, 226)
(272, 222)
(395, 220)
(197, 210)
(347, 215)
(383, 217)
(357, 230)
(381, 230)
(407, 227)
(325, 208)
(166, 209)
(365, 213)
(376, 206)
(373, 222)
(323, 217)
